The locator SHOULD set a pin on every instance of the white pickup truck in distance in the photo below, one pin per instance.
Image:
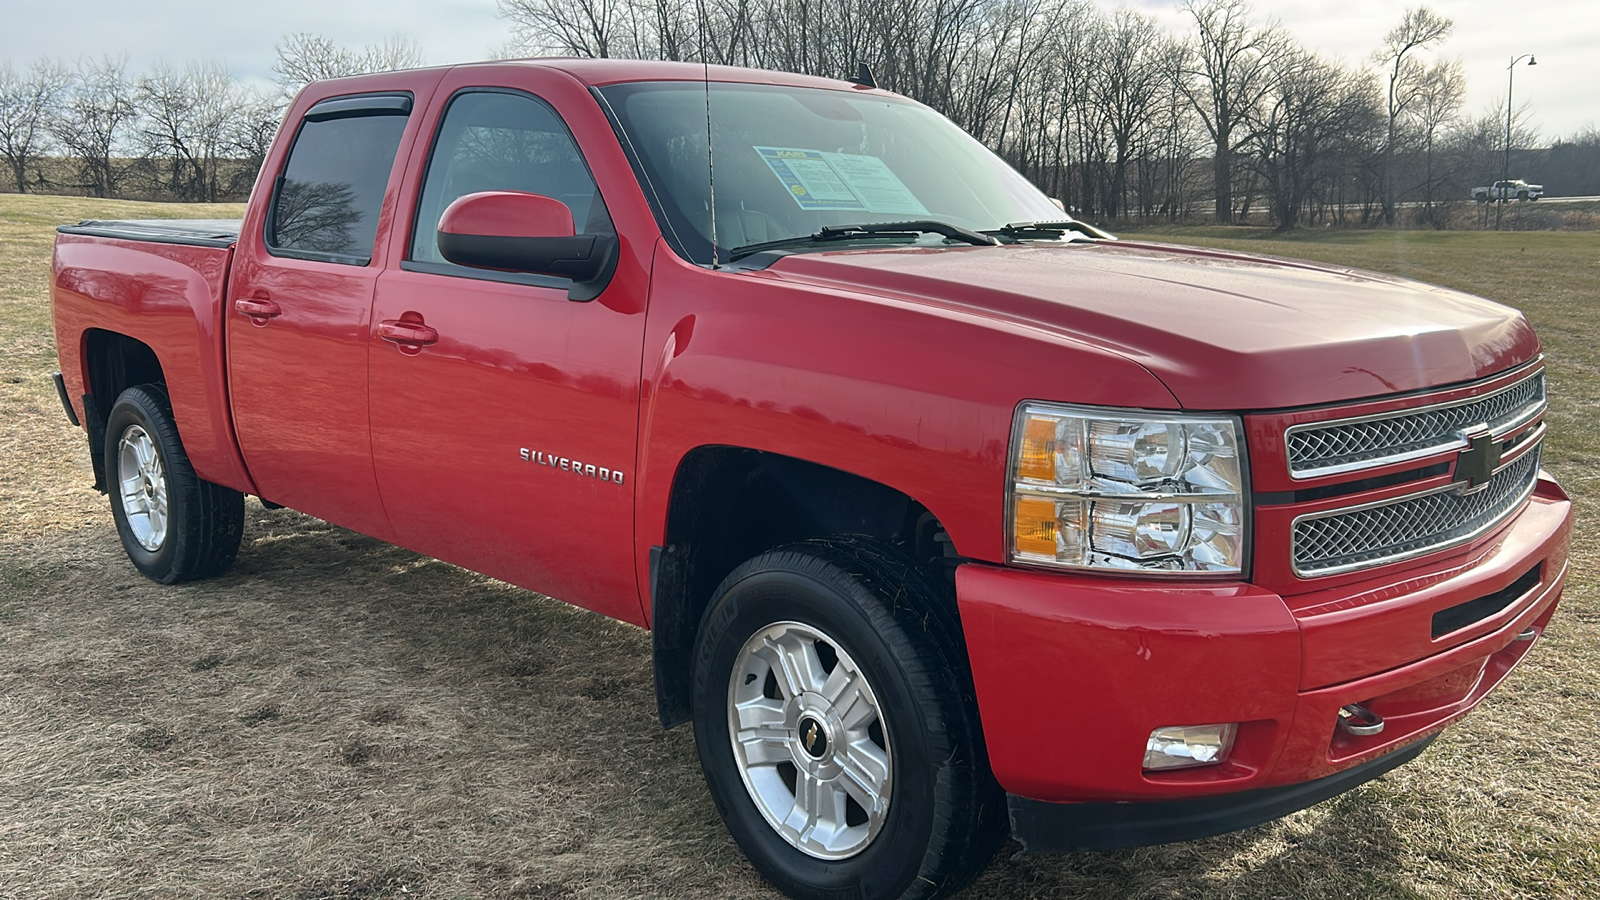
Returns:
(1508, 190)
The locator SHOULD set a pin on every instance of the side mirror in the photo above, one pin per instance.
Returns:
(517, 232)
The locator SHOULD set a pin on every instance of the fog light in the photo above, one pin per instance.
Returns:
(1186, 746)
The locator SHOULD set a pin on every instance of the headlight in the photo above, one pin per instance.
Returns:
(1109, 489)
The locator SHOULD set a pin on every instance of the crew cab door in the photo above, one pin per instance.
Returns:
(299, 310)
(504, 415)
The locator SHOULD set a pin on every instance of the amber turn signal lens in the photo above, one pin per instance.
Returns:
(1036, 526)
(1036, 458)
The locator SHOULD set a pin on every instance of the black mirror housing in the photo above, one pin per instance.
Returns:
(519, 232)
(582, 257)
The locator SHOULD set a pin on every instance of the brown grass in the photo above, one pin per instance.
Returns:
(339, 718)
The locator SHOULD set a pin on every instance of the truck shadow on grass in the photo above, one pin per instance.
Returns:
(337, 717)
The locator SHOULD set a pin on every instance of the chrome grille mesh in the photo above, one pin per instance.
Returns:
(1344, 541)
(1409, 434)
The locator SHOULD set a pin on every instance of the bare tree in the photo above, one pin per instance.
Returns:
(304, 58)
(187, 121)
(1034, 68)
(28, 103)
(1312, 129)
(926, 49)
(97, 115)
(1177, 143)
(592, 28)
(1132, 69)
(1438, 103)
(1418, 29)
(1225, 78)
(249, 137)
(166, 99)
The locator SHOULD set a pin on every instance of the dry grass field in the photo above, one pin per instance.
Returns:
(337, 718)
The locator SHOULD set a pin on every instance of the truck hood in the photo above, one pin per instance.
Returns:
(1222, 331)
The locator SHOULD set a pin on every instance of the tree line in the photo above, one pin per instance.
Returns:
(192, 133)
(1231, 120)
(1107, 111)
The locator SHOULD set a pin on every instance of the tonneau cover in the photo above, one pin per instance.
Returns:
(197, 232)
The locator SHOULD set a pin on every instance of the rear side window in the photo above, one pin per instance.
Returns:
(326, 202)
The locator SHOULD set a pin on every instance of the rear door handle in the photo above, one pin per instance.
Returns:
(259, 309)
(411, 336)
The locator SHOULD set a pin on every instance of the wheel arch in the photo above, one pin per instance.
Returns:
(112, 362)
(728, 504)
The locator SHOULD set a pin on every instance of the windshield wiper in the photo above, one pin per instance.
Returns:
(869, 230)
(1025, 230)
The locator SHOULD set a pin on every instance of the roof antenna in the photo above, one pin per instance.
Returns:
(864, 76)
(711, 167)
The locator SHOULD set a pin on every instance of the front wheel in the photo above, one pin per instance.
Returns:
(174, 525)
(837, 728)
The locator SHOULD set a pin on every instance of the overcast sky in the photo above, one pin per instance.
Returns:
(1562, 91)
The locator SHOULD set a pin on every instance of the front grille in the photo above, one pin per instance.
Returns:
(1345, 540)
(1334, 447)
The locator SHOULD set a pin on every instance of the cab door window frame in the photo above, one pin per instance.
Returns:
(585, 291)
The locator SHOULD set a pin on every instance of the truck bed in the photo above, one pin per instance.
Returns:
(162, 284)
(193, 232)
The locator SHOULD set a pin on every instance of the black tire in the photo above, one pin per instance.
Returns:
(202, 523)
(896, 627)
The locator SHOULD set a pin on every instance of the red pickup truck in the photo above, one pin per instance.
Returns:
(952, 517)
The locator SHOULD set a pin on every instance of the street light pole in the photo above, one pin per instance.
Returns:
(1505, 171)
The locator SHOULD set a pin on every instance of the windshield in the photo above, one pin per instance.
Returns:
(790, 161)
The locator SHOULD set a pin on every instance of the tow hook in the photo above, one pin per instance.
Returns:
(1360, 721)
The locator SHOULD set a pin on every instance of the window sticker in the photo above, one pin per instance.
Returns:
(877, 186)
(840, 181)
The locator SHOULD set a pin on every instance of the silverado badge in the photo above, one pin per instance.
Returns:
(577, 467)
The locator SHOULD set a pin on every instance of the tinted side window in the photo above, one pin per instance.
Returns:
(499, 141)
(327, 200)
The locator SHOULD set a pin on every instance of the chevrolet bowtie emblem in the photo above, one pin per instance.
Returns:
(811, 736)
(1477, 464)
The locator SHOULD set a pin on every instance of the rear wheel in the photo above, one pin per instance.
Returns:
(837, 727)
(174, 525)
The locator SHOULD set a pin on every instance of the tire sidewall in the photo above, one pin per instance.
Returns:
(887, 866)
(137, 407)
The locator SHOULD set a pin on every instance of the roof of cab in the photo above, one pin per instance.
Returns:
(600, 72)
(588, 72)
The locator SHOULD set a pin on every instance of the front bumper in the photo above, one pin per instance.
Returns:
(1074, 672)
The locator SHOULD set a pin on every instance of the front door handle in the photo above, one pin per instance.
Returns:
(411, 335)
(259, 309)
